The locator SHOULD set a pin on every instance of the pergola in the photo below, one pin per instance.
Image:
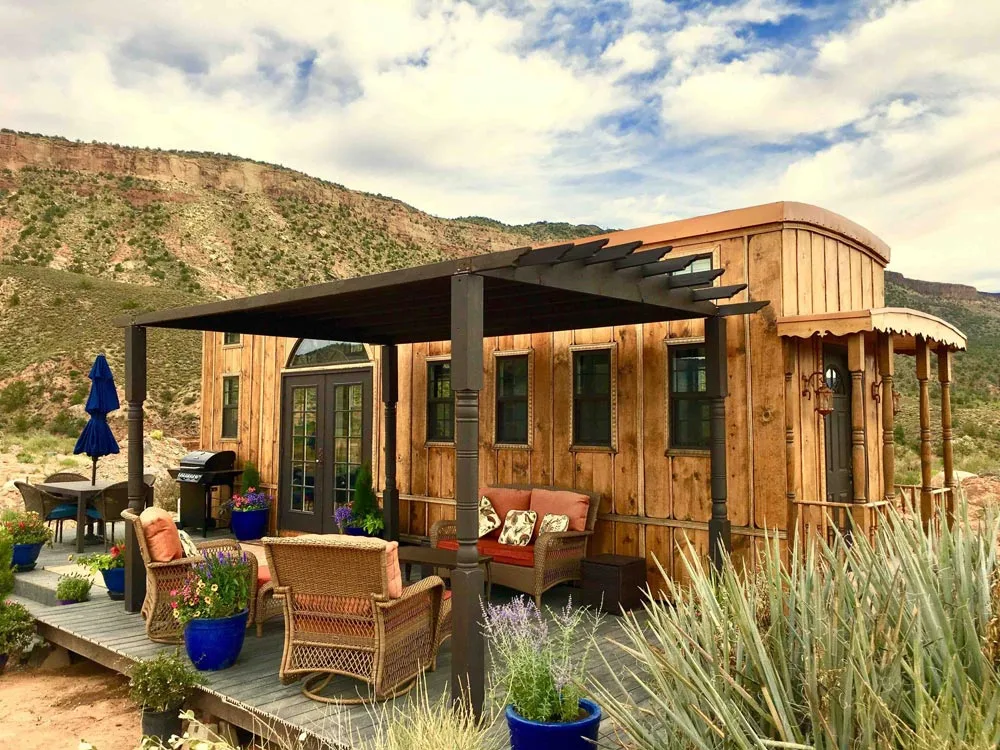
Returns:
(586, 284)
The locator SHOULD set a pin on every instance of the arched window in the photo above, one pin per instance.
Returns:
(317, 353)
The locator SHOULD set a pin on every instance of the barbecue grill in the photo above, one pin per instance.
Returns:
(199, 473)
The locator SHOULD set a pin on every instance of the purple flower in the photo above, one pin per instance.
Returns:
(342, 515)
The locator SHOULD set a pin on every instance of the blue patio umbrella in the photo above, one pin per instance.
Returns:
(97, 440)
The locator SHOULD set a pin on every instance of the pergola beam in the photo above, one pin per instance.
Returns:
(697, 278)
(614, 252)
(741, 308)
(718, 292)
(637, 260)
(670, 265)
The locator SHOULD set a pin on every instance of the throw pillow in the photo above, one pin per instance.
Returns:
(161, 535)
(188, 545)
(518, 528)
(488, 518)
(553, 523)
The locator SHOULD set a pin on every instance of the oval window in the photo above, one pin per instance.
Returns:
(834, 380)
(317, 352)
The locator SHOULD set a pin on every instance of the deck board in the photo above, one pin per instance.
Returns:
(250, 691)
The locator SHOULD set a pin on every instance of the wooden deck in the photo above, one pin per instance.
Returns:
(249, 694)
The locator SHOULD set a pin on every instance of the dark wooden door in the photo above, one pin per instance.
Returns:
(839, 477)
(326, 438)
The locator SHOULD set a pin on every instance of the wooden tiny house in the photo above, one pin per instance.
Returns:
(644, 442)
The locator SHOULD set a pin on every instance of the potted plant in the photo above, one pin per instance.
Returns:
(73, 588)
(111, 566)
(160, 685)
(250, 513)
(6, 568)
(17, 631)
(540, 664)
(365, 516)
(213, 606)
(28, 533)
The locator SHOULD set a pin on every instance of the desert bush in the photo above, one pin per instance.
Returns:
(73, 587)
(889, 644)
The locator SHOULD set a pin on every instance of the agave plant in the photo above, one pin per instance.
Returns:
(890, 643)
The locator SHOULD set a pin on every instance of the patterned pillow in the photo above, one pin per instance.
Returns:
(553, 522)
(188, 545)
(518, 528)
(488, 518)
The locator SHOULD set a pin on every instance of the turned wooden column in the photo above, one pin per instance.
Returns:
(135, 395)
(390, 395)
(859, 455)
(923, 381)
(886, 367)
(945, 357)
(792, 397)
(719, 527)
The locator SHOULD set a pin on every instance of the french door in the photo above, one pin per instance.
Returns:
(326, 437)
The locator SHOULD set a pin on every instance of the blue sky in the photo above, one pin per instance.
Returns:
(616, 112)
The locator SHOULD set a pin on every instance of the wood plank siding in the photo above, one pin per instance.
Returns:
(655, 500)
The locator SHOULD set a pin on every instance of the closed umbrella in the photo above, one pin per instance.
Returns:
(97, 440)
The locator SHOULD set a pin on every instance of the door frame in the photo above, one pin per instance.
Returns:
(839, 352)
(325, 381)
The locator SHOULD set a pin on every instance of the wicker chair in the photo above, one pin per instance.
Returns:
(340, 620)
(65, 476)
(557, 556)
(164, 577)
(112, 502)
(52, 509)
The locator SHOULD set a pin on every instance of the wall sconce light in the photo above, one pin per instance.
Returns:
(824, 393)
(896, 396)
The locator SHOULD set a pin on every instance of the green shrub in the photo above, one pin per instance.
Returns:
(15, 396)
(6, 555)
(249, 478)
(73, 587)
(162, 683)
(885, 644)
(17, 628)
(64, 423)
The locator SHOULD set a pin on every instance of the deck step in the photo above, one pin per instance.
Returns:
(37, 585)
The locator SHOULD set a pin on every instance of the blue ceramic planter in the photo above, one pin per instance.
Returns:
(359, 531)
(249, 524)
(25, 556)
(215, 644)
(539, 735)
(114, 580)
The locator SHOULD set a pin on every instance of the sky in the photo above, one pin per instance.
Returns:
(613, 112)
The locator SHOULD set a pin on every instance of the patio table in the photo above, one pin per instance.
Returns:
(81, 491)
(430, 557)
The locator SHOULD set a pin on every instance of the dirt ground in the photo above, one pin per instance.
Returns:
(54, 710)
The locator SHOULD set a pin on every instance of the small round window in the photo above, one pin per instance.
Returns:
(317, 352)
(834, 380)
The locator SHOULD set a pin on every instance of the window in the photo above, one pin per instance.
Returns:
(440, 403)
(689, 407)
(316, 353)
(230, 406)
(592, 398)
(701, 263)
(512, 399)
(229, 339)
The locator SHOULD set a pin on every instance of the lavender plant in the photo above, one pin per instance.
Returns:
(540, 661)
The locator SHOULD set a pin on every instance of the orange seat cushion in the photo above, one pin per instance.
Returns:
(161, 534)
(263, 575)
(501, 553)
(563, 503)
(504, 499)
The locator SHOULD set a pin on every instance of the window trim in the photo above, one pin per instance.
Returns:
(612, 347)
(499, 354)
(236, 406)
(669, 449)
(287, 368)
(428, 440)
(232, 344)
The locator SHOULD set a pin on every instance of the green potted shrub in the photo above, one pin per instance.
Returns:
(213, 606)
(28, 533)
(111, 566)
(364, 517)
(160, 686)
(73, 588)
(17, 631)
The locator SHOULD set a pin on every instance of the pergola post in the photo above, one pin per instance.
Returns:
(923, 378)
(859, 455)
(887, 368)
(945, 357)
(719, 527)
(135, 394)
(467, 647)
(390, 395)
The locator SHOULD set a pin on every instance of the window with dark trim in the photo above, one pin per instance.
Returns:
(440, 403)
(592, 398)
(512, 399)
(230, 406)
(689, 405)
(228, 339)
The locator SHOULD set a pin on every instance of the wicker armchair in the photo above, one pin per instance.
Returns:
(557, 556)
(112, 502)
(164, 577)
(52, 509)
(340, 620)
(65, 476)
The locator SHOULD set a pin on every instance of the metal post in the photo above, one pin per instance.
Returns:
(135, 394)
(467, 647)
(719, 527)
(390, 395)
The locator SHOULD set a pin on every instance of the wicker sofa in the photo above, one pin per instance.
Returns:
(551, 558)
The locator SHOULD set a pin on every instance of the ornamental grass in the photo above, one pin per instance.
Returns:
(891, 643)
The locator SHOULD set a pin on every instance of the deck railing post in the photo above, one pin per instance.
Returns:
(135, 395)
(467, 646)
(390, 395)
(719, 527)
